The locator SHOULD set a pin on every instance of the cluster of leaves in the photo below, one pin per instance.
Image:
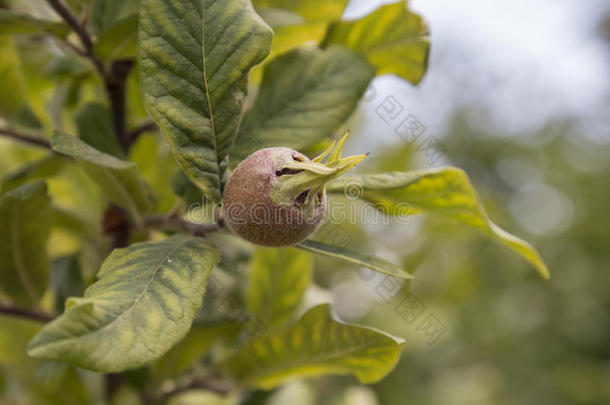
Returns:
(191, 62)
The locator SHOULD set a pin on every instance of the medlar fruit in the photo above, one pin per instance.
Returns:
(277, 196)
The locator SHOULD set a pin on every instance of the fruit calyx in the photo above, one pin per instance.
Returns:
(304, 181)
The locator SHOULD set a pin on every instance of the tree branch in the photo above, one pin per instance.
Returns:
(25, 313)
(140, 129)
(21, 137)
(62, 42)
(177, 224)
(114, 80)
(115, 86)
(112, 383)
(81, 32)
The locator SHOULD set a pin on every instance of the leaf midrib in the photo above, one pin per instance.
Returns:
(208, 96)
(131, 305)
(378, 265)
(269, 372)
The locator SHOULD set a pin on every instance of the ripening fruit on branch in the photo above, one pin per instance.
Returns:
(277, 196)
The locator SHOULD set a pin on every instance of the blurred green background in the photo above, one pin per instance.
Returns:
(516, 94)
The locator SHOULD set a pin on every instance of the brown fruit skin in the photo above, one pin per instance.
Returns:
(249, 210)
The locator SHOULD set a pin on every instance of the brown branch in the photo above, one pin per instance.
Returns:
(176, 224)
(112, 383)
(115, 224)
(21, 137)
(25, 313)
(60, 7)
(115, 87)
(114, 80)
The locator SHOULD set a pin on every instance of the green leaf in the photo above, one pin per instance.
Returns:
(185, 189)
(94, 125)
(17, 23)
(445, 191)
(25, 221)
(66, 280)
(393, 39)
(368, 261)
(157, 165)
(26, 117)
(142, 304)
(306, 94)
(279, 18)
(310, 10)
(119, 179)
(192, 348)
(14, 332)
(105, 14)
(297, 22)
(194, 61)
(119, 41)
(66, 67)
(317, 344)
(74, 223)
(43, 168)
(277, 281)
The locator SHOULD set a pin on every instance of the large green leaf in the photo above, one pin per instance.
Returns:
(317, 344)
(393, 38)
(369, 261)
(142, 304)
(306, 94)
(17, 23)
(446, 191)
(277, 282)
(25, 221)
(119, 179)
(94, 124)
(194, 61)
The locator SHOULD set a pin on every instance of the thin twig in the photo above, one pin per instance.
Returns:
(21, 137)
(140, 129)
(78, 50)
(25, 313)
(178, 224)
(81, 32)
(114, 80)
